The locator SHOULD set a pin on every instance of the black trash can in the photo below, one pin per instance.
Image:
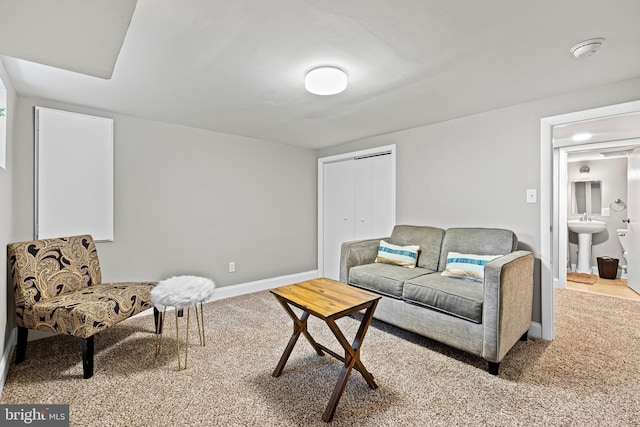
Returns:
(607, 267)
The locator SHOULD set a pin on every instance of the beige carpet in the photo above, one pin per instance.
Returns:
(588, 376)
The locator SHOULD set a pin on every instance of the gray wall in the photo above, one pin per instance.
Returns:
(189, 201)
(474, 171)
(6, 233)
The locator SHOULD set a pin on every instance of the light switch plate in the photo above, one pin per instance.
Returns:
(532, 196)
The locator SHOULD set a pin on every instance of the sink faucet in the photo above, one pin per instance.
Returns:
(585, 217)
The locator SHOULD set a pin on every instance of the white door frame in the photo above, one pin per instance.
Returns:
(550, 212)
(391, 149)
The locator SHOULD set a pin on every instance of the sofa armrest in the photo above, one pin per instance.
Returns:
(508, 302)
(357, 252)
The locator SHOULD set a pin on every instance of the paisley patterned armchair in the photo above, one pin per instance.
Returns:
(58, 288)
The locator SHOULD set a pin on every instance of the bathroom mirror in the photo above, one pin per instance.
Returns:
(586, 197)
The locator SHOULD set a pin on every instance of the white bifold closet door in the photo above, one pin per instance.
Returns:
(358, 204)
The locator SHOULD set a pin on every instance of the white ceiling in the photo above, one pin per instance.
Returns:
(66, 33)
(614, 128)
(238, 66)
(622, 131)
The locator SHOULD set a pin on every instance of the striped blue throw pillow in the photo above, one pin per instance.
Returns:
(405, 256)
(467, 266)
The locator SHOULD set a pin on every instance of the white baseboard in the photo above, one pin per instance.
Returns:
(262, 285)
(251, 287)
(7, 356)
(535, 330)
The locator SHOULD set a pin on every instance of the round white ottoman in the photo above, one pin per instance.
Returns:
(182, 292)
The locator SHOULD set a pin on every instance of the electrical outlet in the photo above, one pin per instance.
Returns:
(232, 267)
(532, 196)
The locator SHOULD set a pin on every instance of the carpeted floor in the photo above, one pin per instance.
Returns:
(589, 375)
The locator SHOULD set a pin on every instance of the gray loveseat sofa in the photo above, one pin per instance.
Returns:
(483, 317)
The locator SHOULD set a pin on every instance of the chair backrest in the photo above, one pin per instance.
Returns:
(43, 269)
(477, 241)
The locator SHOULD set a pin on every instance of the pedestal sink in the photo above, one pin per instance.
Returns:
(584, 230)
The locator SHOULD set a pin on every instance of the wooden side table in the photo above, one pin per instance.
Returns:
(328, 300)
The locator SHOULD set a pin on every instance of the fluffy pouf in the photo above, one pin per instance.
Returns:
(181, 292)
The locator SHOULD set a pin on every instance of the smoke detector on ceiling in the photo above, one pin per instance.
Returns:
(586, 47)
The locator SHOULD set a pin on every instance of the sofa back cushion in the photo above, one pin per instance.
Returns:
(478, 241)
(48, 268)
(428, 238)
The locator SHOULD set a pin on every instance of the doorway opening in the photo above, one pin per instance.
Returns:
(553, 232)
(605, 177)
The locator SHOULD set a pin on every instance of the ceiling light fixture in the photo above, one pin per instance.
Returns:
(585, 136)
(586, 47)
(584, 172)
(325, 80)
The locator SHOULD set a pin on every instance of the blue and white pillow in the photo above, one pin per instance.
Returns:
(405, 256)
(467, 266)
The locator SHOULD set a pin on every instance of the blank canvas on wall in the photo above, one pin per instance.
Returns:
(74, 175)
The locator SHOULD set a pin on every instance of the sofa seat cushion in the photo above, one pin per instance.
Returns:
(458, 297)
(384, 279)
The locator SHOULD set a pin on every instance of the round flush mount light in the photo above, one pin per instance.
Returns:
(325, 80)
(586, 47)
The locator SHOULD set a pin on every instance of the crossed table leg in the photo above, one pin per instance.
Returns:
(351, 357)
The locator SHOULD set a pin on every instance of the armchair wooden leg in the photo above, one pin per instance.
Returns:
(87, 356)
(21, 348)
(524, 336)
(156, 319)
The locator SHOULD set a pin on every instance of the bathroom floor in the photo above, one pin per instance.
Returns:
(615, 288)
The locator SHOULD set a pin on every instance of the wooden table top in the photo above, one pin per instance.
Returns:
(324, 297)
